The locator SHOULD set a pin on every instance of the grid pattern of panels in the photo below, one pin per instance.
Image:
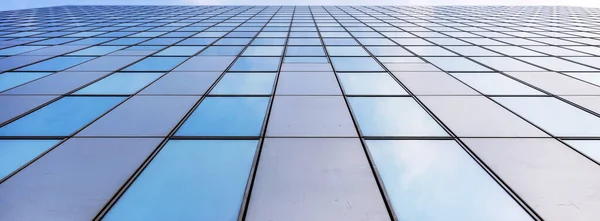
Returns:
(300, 113)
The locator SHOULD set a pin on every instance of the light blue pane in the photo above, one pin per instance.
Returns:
(346, 51)
(590, 148)
(268, 41)
(370, 84)
(432, 180)
(256, 64)
(56, 64)
(304, 41)
(97, 50)
(226, 116)
(16, 153)
(339, 41)
(197, 41)
(222, 50)
(393, 116)
(126, 41)
(181, 51)
(355, 64)
(156, 64)
(60, 118)
(305, 51)
(120, 83)
(190, 180)
(305, 60)
(12, 79)
(263, 51)
(233, 41)
(18, 50)
(245, 83)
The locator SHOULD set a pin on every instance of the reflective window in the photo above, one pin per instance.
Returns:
(256, 64)
(97, 50)
(590, 148)
(346, 51)
(388, 51)
(339, 41)
(430, 51)
(355, 64)
(16, 153)
(120, 83)
(61, 118)
(18, 50)
(418, 174)
(180, 51)
(245, 83)
(156, 64)
(263, 51)
(12, 79)
(506, 64)
(393, 116)
(221, 50)
(209, 183)
(268, 41)
(304, 41)
(226, 116)
(304, 51)
(543, 112)
(370, 84)
(456, 64)
(56, 64)
(495, 84)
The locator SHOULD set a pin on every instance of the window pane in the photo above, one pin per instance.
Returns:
(543, 111)
(181, 51)
(12, 79)
(97, 50)
(430, 51)
(370, 84)
(56, 64)
(456, 64)
(393, 116)
(156, 64)
(355, 64)
(209, 184)
(121, 83)
(263, 51)
(222, 50)
(590, 148)
(226, 116)
(256, 64)
(495, 84)
(18, 50)
(60, 118)
(346, 51)
(245, 83)
(16, 153)
(304, 51)
(419, 173)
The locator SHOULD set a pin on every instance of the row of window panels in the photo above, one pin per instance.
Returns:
(283, 29)
(300, 116)
(534, 43)
(318, 51)
(272, 64)
(298, 178)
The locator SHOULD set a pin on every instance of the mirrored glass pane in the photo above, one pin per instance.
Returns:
(370, 84)
(245, 83)
(16, 153)
(120, 83)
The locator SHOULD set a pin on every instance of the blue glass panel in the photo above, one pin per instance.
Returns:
(339, 41)
(355, 64)
(245, 83)
(304, 51)
(197, 41)
(126, 41)
(304, 41)
(97, 50)
(11, 79)
(256, 64)
(305, 60)
(432, 180)
(60, 118)
(120, 83)
(18, 50)
(268, 41)
(56, 64)
(181, 51)
(233, 41)
(222, 50)
(393, 116)
(263, 51)
(226, 116)
(370, 84)
(156, 64)
(16, 153)
(346, 51)
(190, 180)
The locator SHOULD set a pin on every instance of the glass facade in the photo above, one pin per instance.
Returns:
(257, 113)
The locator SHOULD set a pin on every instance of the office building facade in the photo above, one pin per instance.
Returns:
(312, 113)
